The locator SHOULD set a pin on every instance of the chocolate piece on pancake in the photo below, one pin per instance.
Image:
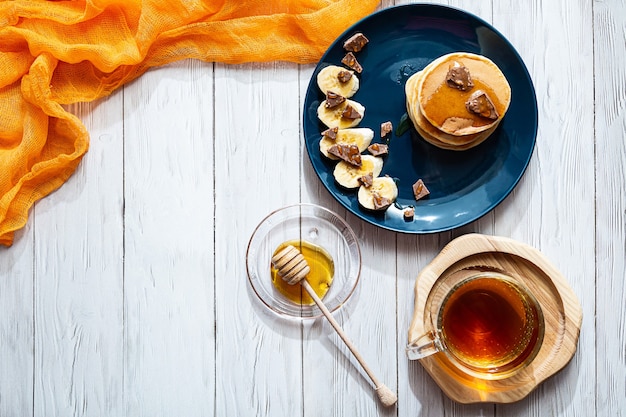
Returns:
(459, 77)
(480, 104)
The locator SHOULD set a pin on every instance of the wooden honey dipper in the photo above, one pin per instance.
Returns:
(293, 269)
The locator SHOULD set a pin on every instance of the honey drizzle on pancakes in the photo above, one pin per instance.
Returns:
(448, 102)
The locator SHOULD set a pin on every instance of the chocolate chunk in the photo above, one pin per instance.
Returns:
(350, 61)
(408, 213)
(344, 76)
(385, 128)
(355, 42)
(479, 103)
(420, 190)
(459, 77)
(331, 133)
(348, 153)
(333, 99)
(367, 180)
(350, 113)
(378, 149)
(380, 202)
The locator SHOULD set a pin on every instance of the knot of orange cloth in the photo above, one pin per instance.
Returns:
(61, 52)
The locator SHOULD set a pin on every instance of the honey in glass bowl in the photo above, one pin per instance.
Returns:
(320, 278)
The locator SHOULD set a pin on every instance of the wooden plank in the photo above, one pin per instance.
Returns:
(527, 215)
(257, 159)
(169, 224)
(78, 310)
(483, 10)
(16, 323)
(609, 22)
(420, 394)
(369, 319)
(561, 171)
(334, 382)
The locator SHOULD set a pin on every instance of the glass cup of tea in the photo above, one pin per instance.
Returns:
(486, 323)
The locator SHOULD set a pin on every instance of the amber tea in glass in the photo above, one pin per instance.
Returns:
(488, 325)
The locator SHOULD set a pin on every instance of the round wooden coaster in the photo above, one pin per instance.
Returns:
(560, 306)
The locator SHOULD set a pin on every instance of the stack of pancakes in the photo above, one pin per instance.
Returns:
(453, 113)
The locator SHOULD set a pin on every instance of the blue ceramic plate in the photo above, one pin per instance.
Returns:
(464, 185)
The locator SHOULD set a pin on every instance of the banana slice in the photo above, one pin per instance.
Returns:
(359, 136)
(380, 195)
(335, 117)
(348, 175)
(331, 79)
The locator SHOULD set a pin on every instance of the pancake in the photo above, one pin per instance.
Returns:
(451, 125)
(445, 107)
(426, 129)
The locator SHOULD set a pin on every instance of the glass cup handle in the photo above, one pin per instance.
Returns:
(423, 346)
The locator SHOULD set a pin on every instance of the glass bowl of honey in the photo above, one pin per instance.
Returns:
(327, 243)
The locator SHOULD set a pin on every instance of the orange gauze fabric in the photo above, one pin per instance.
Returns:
(54, 53)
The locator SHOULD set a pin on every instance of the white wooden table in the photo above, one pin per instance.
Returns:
(126, 293)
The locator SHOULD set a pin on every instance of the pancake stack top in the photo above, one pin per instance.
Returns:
(458, 100)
